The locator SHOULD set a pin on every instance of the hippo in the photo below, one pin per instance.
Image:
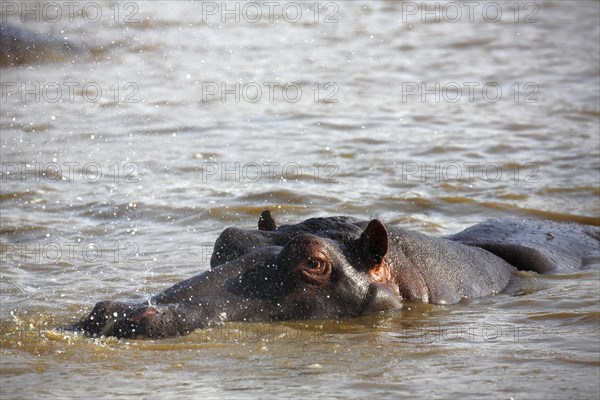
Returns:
(338, 267)
(21, 46)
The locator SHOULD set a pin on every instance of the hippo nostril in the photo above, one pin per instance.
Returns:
(147, 313)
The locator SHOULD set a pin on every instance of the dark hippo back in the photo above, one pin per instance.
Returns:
(441, 271)
(536, 245)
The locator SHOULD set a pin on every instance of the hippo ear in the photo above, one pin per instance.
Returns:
(266, 222)
(374, 243)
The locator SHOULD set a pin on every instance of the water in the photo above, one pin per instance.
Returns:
(121, 165)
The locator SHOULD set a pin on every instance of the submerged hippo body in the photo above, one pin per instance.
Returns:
(342, 267)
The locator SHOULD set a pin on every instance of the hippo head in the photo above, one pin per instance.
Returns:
(310, 276)
(234, 242)
(321, 277)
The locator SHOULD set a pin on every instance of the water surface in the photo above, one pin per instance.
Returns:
(118, 189)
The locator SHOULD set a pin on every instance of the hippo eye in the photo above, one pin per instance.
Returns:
(314, 271)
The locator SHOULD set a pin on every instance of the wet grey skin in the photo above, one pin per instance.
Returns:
(337, 267)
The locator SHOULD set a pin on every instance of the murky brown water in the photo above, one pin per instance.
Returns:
(121, 165)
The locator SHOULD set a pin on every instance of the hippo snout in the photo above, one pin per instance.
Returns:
(111, 318)
(380, 298)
